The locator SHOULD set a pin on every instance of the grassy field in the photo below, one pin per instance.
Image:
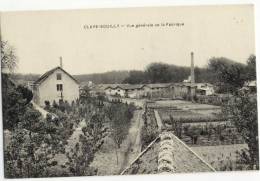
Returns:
(222, 157)
(105, 159)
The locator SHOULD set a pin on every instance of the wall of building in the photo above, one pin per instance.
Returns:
(109, 91)
(133, 93)
(208, 89)
(48, 89)
(119, 91)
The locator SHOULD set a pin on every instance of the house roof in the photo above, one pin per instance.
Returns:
(161, 85)
(205, 84)
(130, 86)
(185, 84)
(184, 159)
(125, 86)
(137, 86)
(153, 86)
(48, 73)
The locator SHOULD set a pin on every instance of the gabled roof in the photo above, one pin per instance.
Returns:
(48, 73)
(130, 86)
(184, 159)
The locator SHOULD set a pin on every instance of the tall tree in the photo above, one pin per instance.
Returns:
(15, 100)
(119, 115)
(251, 67)
(165, 73)
(230, 74)
(135, 77)
(9, 59)
(242, 111)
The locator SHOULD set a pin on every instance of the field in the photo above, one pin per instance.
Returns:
(222, 157)
(105, 159)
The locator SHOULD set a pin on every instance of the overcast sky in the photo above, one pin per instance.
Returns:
(41, 37)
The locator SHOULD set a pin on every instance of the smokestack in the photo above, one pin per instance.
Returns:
(192, 77)
(61, 66)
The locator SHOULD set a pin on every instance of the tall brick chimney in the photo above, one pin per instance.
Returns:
(192, 76)
(61, 66)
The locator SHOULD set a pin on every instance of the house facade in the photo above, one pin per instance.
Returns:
(115, 90)
(55, 85)
(125, 90)
(250, 86)
(204, 89)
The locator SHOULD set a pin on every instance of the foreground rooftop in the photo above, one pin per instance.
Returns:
(167, 154)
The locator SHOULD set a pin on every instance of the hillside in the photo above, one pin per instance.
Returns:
(97, 78)
(104, 78)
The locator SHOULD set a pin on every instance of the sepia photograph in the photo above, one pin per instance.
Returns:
(129, 91)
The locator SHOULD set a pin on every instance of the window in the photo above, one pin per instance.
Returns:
(58, 76)
(59, 87)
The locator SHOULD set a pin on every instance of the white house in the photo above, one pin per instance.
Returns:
(204, 89)
(125, 90)
(56, 84)
(110, 90)
(250, 86)
(119, 91)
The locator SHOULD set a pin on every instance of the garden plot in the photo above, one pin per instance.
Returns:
(181, 104)
(198, 124)
(188, 116)
(187, 111)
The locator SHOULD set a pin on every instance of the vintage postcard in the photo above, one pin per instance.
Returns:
(128, 91)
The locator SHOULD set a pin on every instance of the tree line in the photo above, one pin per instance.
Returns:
(225, 73)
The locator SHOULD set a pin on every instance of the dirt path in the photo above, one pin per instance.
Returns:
(159, 120)
(131, 146)
(42, 111)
